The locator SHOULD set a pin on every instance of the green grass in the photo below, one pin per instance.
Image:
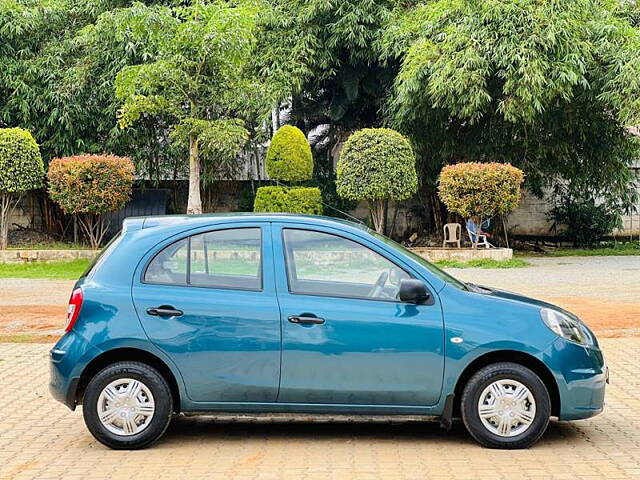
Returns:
(611, 249)
(484, 263)
(68, 270)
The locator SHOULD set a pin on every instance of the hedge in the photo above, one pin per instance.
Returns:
(306, 200)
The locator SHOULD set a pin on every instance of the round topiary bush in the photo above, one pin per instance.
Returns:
(480, 189)
(90, 185)
(289, 156)
(21, 169)
(377, 165)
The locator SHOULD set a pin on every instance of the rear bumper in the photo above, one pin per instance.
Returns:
(67, 359)
(582, 376)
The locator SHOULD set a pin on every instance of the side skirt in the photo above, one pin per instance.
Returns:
(312, 417)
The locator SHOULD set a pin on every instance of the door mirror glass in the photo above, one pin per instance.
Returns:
(413, 291)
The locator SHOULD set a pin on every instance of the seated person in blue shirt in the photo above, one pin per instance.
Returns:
(472, 227)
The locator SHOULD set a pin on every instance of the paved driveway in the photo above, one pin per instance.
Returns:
(40, 438)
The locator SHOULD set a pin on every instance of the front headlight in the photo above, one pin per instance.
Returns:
(563, 325)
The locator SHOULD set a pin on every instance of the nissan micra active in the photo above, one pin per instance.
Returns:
(298, 315)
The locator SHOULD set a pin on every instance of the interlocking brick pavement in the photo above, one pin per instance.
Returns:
(40, 438)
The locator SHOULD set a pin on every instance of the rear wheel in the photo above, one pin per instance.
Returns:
(506, 405)
(127, 405)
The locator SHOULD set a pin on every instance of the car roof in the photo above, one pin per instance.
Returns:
(136, 223)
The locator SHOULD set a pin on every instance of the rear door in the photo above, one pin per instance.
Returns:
(346, 337)
(208, 301)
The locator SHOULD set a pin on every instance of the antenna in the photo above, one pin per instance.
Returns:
(357, 220)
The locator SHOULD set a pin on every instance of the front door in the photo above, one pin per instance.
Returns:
(208, 301)
(346, 337)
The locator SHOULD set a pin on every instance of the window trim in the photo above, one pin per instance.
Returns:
(371, 299)
(188, 266)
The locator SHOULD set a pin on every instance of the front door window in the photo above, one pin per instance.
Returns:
(328, 265)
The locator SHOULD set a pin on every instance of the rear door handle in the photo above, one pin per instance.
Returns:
(305, 319)
(164, 311)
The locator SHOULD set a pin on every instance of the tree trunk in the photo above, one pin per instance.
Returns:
(94, 228)
(275, 117)
(7, 204)
(377, 209)
(506, 235)
(194, 204)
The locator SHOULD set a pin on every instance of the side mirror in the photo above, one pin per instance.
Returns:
(413, 291)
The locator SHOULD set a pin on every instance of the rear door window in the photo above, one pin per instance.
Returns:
(229, 258)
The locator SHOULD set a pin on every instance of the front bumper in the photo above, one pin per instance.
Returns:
(67, 360)
(581, 375)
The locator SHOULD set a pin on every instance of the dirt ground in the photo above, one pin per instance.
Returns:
(603, 291)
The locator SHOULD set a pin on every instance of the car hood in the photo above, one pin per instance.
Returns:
(516, 297)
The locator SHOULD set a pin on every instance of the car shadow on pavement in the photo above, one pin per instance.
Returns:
(196, 429)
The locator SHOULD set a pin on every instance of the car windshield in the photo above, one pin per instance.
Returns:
(441, 274)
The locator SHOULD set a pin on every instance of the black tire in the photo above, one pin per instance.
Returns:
(160, 390)
(485, 377)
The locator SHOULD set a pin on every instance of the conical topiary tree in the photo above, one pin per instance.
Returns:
(289, 159)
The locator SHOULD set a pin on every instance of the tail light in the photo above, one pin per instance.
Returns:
(73, 310)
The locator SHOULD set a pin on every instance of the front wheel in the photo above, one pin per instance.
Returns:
(506, 405)
(127, 405)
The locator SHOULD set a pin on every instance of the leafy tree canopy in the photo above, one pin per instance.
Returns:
(548, 86)
(195, 80)
(323, 55)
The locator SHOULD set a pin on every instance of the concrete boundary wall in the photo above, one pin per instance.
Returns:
(27, 256)
(436, 254)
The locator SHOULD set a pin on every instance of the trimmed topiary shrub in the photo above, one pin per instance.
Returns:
(480, 189)
(289, 159)
(377, 165)
(90, 185)
(306, 200)
(289, 156)
(21, 169)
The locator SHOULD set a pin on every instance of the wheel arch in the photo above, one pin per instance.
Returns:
(110, 357)
(514, 356)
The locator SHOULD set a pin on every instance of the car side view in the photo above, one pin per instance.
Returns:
(290, 314)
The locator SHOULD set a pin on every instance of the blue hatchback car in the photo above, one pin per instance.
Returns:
(249, 314)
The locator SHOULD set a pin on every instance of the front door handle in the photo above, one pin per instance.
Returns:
(164, 311)
(305, 319)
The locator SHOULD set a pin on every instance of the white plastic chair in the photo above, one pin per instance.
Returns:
(482, 239)
(452, 234)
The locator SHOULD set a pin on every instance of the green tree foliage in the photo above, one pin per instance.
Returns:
(289, 156)
(90, 185)
(193, 79)
(321, 56)
(58, 61)
(306, 200)
(547, 86)
(377, 165)
(21, 169)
